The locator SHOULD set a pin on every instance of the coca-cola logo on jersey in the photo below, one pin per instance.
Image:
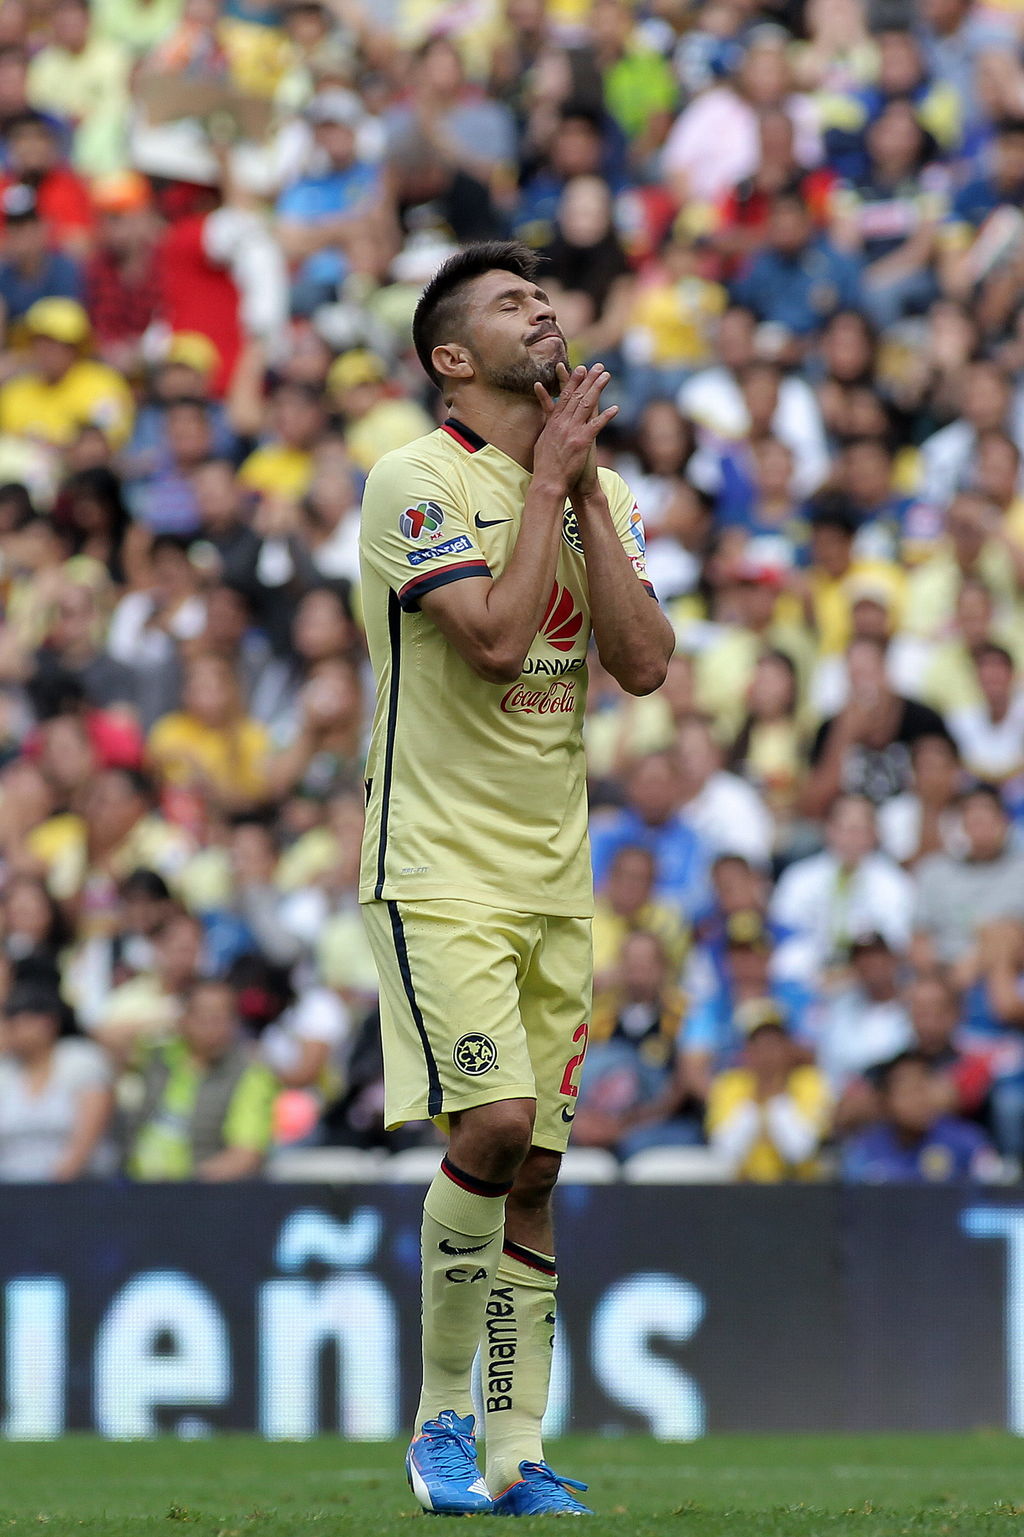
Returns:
(559, 699)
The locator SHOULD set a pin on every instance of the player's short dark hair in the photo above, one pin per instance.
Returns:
(439, 314)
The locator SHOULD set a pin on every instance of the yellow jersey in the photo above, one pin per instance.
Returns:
(89, 395)
(763, 1163)
(277, 470)
(232, 757)
(474, 789)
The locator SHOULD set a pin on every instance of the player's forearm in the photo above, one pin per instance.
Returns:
(516, 600)
(634, 639)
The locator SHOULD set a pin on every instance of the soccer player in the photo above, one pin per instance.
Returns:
(491, 550)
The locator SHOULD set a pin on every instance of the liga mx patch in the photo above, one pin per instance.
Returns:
(475, 1054)
(424, 521)
(636, 528)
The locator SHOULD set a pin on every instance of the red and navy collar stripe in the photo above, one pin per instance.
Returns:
(464, 436)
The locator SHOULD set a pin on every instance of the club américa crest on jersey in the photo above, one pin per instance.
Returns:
(571, 529)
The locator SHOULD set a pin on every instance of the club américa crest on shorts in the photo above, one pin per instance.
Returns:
(475, 1054)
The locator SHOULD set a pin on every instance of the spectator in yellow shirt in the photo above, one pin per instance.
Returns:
(997, 473)
(83, 76)
(85, 856)
(626, 906)
(283, 465)
(674, 316)
(63, 389)
(375, 421)
(837, 575)
(769, 1116)
(211, 745)
(975, 544)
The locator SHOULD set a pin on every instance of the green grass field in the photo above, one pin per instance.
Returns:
(726, 1486)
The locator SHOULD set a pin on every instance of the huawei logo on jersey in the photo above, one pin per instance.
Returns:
(562, 620)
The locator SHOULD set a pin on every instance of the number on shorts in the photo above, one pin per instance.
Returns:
(568, 1087)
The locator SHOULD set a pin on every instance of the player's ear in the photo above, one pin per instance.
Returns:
(453, 361)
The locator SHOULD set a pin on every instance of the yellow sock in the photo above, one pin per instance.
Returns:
(515, 1360)
(463, 1223)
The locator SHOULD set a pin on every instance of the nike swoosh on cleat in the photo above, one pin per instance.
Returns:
(489, 522)
(447, 1248)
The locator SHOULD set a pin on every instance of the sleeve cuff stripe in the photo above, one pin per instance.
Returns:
(649, 588)
(410, 594)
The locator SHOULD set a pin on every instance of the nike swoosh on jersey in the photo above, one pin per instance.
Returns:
(567, 1114)
(489, 522)
(447, 1248)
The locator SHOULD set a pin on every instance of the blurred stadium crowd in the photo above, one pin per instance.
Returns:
(793, 230)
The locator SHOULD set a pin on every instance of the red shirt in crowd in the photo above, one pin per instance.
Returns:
(120, 310)
(199, 295)
(63, 201)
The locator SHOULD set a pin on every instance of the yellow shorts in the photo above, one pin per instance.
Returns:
(479, 1005)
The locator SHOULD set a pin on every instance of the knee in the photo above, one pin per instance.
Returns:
(536, 1179)
(492, 1141)
(511, 1132)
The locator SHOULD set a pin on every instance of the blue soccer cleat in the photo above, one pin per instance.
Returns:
(441, 1467)
(541, 1492)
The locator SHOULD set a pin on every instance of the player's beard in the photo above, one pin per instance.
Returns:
(519, 377)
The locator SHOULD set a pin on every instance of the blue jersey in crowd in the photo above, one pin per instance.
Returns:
(680, 857)
(951, 1151)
